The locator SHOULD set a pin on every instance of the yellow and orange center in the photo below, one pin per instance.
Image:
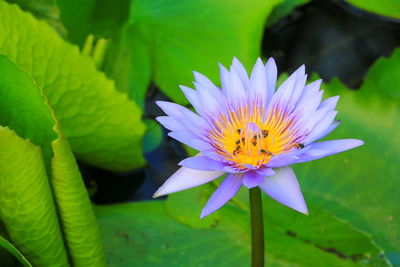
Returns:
(244, 137)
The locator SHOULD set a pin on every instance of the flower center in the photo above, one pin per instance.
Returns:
(248, 140)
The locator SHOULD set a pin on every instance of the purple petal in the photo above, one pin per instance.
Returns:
(327, 148)
(330, 128)
(241, 71)
(308, 104)
(321, 127)
(209, 105)
(258, 81)
(265, 171)
(330, 102)
(171, 109)
(252, 179)
(282, 95)
(191, 140)
(283, 187)
(286, 159)
(202, 163)
(212, 155)
(225, 77)
(193, 97)
(315, 118)
(236, 92)
(298, 88)
(203, 83)
(185, 178)
(181, 113)
(171, 123)
(272, 74)
(227, 189)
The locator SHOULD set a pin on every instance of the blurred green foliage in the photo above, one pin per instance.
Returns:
(75, 76)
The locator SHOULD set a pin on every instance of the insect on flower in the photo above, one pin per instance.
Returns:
(251, 133)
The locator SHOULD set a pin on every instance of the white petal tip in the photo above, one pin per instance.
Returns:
(303, 210)
(203, 214)
(157, 194)
(271, 60)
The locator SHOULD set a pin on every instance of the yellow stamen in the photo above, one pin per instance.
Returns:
(244, 138)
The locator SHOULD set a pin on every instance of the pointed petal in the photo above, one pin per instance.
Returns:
(171, 109)
(330, 102)
(227, 189)
(327, 148)
(286, 159)
(191, 140)
(193, 97)
(252, 179)
(265, 171)
(202, 163)
(185, 178)
(258, 81)
(330, 128)
(171, 123)
(241, 71)
(225, 78)
(283, 187)
(236, 92)
(321, 127)
(272, 74)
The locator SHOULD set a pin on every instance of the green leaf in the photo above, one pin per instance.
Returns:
(102, 125)
(388, 8)
(26, 203)
(103, 18)
(75, 15)
(77, 218)
(43, 9)
(142, 234)
(153, 136)
(383, 78)
(362, 185)
(25, 110)
(10, 256)
(29, 115)
(126, 53)
(186, 206)
(182, 39)
(284, 9)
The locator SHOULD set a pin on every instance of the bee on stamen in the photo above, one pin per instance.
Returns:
(263, 151)
(265, 133)
(237, 150)
(254, 142)
(239, 131)
(270, 154)
(243, 140)
(299, 145)
(237, 142)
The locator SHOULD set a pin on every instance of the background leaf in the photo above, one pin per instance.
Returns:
(27, 206)
(43, 9)
(10, 256)
(103, 127)
(149, 237)
(181, 39)
(153, 136)
(389, 8)
(284, 9)
(25, 110)
(361, 185)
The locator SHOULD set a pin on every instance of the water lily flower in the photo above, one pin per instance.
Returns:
(251, 133)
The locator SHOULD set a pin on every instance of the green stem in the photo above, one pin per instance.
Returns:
(257, 228)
